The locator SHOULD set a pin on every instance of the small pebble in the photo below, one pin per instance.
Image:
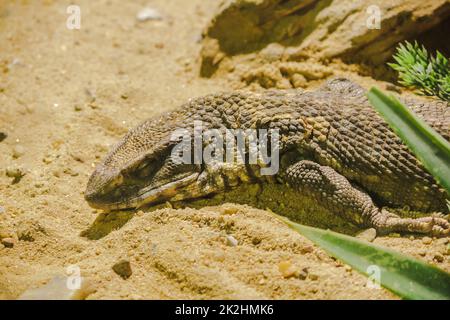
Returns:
(256, 241)
(368, 234)
(231, 241)
(442, 241)
(427, 240)
(313, 276)
(123, 269)
(18, 151)
(307, 249)
(438, 257)
(148, 14)
(229, 210)
(303, 274)
(13, 172)
(422, 253)
(3, 136)
(8, 242)
(286, 269)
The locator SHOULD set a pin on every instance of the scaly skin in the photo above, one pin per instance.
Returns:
(333, 147)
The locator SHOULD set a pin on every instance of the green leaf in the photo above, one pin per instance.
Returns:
(407, 277)
(428, 146)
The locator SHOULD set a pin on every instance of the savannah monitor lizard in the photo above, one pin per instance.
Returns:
(333, 148)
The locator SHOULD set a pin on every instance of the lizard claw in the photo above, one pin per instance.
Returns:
(435, 226)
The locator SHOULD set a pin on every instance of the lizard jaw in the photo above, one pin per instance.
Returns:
(148, 195)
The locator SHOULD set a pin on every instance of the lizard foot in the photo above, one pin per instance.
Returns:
(435, 226)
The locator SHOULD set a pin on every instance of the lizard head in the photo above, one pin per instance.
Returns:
(140, 169)
(143, 168)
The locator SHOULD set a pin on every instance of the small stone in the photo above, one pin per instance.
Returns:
(447, 250)
(231, 241)
(438, 257)
(368, 235)
(77, 107)
(140, 213)
(313, 276)
(123, 269)
(303, 274)
(229, 210)
(18, 151)
(256, 241)
(427, 240)
(286, 269)
(124, 96)
(442, 241)
(15, 172)
(422, 253)
(148, 14)
(3, 136)
(307, 249)
(8, 242)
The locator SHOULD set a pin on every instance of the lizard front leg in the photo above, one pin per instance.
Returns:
(337, 194)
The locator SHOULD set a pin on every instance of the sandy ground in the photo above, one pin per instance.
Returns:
(65, 97)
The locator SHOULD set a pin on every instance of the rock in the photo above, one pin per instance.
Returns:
(3, 136)
(427, 240)
(123, 269)
(276, 32)
(148, 14)
(8, 242)
(18, 151)
(231, 241)
(59, 288)
(368, 234)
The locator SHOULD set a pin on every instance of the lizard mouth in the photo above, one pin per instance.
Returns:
(149, 195)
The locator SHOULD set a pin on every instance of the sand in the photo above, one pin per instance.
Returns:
(65, 97)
